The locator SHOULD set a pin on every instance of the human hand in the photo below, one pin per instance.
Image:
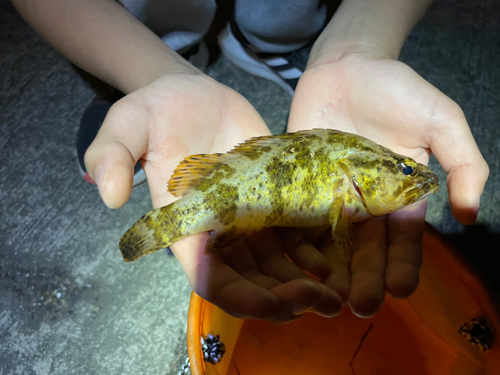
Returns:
(367, 93)
(176, 116)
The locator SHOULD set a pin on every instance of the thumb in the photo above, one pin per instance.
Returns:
(111, 157)
(455, 148)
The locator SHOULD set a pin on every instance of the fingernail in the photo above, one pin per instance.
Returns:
(329, 307)
(100, 177)
(326, 315)
(362, 316)
(469, 217)
(300, 310)
(365, 314)
(474, 213)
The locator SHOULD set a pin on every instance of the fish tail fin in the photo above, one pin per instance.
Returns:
(152, 232)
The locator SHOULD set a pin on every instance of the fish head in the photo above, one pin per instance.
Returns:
(387, 182)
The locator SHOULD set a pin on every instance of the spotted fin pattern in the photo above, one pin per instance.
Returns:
(191, 171)
(194, 168)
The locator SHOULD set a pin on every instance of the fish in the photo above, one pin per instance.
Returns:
(309, 178)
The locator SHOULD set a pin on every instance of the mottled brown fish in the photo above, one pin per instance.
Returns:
(304, 179)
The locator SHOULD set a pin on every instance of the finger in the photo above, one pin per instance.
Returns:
(299, 293)
(111, 157)
(303, 295)
(270, 258)
(212, 279)
(215, 281)
(303, 254)
(329, 304)
(339, 279)
(240, 258)
(368, 267)
(405, 231)
(298, 296)
(455, 148)
(465, 185)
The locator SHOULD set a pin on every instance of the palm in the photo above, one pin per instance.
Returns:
(195, 115)
(383, 100)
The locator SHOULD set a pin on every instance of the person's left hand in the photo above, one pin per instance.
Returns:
(386, 101)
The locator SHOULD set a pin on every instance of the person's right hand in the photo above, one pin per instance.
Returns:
(366, 92)
(178, 115)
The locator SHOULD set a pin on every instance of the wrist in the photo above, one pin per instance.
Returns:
(143, 71)
(377, 27)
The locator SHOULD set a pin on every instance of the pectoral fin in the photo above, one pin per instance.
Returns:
(342, 232)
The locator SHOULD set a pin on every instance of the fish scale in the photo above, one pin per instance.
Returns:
(304, 179)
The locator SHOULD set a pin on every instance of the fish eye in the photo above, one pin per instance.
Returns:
(406, 169)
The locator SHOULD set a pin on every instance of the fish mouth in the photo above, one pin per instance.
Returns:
(430, 189)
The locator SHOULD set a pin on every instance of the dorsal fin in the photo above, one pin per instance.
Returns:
(256, 144)
(190, 171)
(194, 168)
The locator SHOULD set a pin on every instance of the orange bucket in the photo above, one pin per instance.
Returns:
(427, 334)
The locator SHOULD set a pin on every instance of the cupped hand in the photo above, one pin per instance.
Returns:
(176, 116)
(386, 101)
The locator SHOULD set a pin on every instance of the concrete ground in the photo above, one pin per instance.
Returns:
(68, 302)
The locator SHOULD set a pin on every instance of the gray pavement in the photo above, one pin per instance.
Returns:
(68, 302)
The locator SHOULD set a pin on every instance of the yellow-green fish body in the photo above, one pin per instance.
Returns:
(304, 179)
